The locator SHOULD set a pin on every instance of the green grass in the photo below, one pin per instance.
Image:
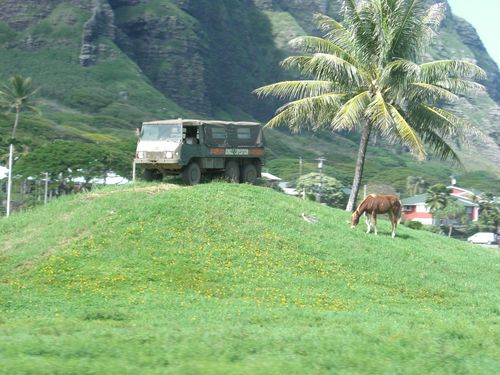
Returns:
(229, 279)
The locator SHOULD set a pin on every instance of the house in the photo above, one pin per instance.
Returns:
(415, 209)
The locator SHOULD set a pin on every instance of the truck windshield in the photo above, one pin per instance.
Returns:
(161, 133)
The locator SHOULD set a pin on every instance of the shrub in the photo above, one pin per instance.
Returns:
(414, 225)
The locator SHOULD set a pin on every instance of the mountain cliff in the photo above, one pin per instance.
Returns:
(124, 61)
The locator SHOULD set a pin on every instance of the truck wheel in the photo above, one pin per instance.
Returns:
(191, 174)
(232, 171)
(249, 174)
(149, 174)
(153, 175)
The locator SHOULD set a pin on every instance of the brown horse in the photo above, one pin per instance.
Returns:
(378, 204)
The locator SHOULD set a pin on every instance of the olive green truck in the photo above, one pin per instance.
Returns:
(198, 148)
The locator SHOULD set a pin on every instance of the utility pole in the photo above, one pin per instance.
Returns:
(9, 181)
(46, 187)
(320, 167)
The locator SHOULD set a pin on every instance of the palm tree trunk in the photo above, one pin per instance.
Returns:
(360, 163)
(9, 181)
(16, 121)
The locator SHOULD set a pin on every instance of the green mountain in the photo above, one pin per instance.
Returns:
(107, 65)
(156, 278)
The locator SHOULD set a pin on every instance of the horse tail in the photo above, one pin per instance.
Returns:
(398, 211)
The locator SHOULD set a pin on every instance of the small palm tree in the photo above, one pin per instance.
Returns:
(437, 197)
(451, 215)
(415, 185)
(365, 75)
(16, 97)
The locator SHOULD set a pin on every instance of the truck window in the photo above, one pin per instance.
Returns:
(218, 133)
(161, 133)
(243, 133)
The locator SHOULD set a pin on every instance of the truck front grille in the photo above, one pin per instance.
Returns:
(155, 155)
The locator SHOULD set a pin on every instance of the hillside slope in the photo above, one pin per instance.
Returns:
(229, 279)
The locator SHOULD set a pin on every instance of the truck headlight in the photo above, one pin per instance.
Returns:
(169, 155)
(141, 155)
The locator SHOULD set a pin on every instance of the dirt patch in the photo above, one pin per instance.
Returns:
(25, 238)
(28, 264)
(155, 189)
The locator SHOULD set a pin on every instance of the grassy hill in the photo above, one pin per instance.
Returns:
(229, 279)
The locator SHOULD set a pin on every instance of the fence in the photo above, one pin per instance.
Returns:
(33, 191)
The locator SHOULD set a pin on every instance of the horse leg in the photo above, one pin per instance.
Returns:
(394, 227)
(368, 223)
(374, 216)
(394, 222)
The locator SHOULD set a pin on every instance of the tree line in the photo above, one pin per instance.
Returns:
(67, 166)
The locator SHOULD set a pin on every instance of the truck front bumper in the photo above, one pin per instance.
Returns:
(166, 164)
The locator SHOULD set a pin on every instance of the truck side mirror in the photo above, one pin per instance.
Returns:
(137, 132)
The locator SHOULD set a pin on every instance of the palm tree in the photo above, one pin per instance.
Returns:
(16, 97)
(415, 185)
(365, 75)
(452, 214)
(437, 197)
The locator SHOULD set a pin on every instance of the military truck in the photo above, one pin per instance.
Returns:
(198, 148)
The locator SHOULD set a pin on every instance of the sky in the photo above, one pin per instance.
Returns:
(484, 15)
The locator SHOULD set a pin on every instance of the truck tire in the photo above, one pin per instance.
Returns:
(248, 174)
(232, 171)
(191, 175)
(152, 175)
(148, 175)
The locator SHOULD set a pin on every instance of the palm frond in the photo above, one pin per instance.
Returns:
(415, 27)
(325, 67)
(378, 114)
(18, 94)
(450, 125)
(407, 134)
(296, 62)
(440, 146)
(397, 76)
(407, 68)
(441, 69)
(334, 68)
(288, 90)
(315, 44)
(426, 92)
(461, 86)
(351, 114)
(312, 112)
(333, 31)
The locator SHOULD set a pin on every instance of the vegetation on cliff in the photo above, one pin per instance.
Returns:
(177, 58)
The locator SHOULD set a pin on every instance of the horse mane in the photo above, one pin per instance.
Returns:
(363, 202)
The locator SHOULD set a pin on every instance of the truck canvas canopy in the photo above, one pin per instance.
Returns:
(233, 135)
